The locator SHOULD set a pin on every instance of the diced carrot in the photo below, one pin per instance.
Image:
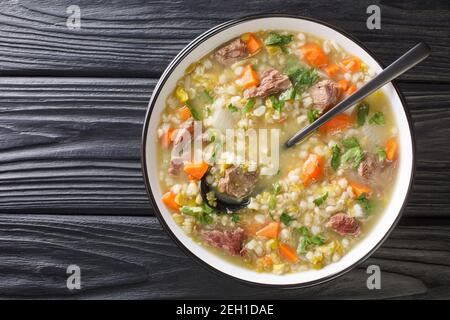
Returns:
(343, 85)
(312, 168)
(391, 149)
(184, 113)
(350, 64)
(169, 200)
(351, 89)
(267, 261)
(249, 77)
(359, 189)
(314, 55)
(196, 170)
(331, 69)
(338, 123)
(253, 43)
(287, 252)
(269, 231)
(167, 137)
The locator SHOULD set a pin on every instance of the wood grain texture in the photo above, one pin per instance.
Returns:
(72, 145)
(141, 37)
(132, 257)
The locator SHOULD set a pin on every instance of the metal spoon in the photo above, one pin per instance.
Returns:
(415, 55)
(398, 67)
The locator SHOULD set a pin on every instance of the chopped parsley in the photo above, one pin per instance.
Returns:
(202, 214)
(235, 217)
(307, 239)
(364, 203)
(335, 157)
(194, 112)
(286, 219)
(320, 200)
(313, 115)
(377, 118)
(280, 40)
(362, 111)
(249, 105)
(232, 108)
(276, 104)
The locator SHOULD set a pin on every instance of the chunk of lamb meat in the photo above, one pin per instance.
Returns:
(227, 240)
(272, 82)
(231, 52)
(325, 95)
(344, 225)
(368, 166)
(175, 166)
(237, 182)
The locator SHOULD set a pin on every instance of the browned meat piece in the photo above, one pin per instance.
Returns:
(344, 225)
(232, 52)
(368, 166)
(227, 240)
(237, 182)
(272, 82)
(175, 166)
(325, 94)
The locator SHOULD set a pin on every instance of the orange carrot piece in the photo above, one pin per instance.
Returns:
(351, 89)
(343, 85)
(249, 77)
(287, 252)
(350, 64)
(391, 149)
(253, 43)
(338, 123)
(196, 170)
(167, 137)
(314, 55)
(312, 168)
(359, 189)
(184, 113)
(169, 200)
(331, 70)
(269, 231)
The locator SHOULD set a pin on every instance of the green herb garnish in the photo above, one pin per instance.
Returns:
(202, 214)
(280, 40)
(288, 94)
(307, 239)
(362, 111)
(354, 156)
(313, 115)
(364, 203)
(232, 108)
(235, 217)
(320, 200)
(272, 202)
(335, 157)
(195, 114)
(276, 187)
(350, 142)
(286, 219)
(249, 105)
(377, 118)
(302, 78)
(381, 153)
(277, 104)
(205, 94)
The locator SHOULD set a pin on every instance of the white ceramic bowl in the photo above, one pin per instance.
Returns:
(206, 43)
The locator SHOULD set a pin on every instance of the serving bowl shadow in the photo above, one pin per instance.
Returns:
(206, 43)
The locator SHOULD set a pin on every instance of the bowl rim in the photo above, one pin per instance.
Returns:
(162, 81)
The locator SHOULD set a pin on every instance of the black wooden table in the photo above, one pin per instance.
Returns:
(72, 104)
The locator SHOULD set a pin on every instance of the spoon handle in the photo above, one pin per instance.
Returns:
(415, 55)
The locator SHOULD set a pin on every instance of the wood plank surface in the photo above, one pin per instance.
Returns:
(132, 257)
(72, 105)
(141, 37)
(72, 145)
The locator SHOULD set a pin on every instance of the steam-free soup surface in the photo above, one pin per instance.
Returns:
(322, 196)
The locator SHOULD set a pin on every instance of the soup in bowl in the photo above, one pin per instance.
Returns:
(230, 192)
